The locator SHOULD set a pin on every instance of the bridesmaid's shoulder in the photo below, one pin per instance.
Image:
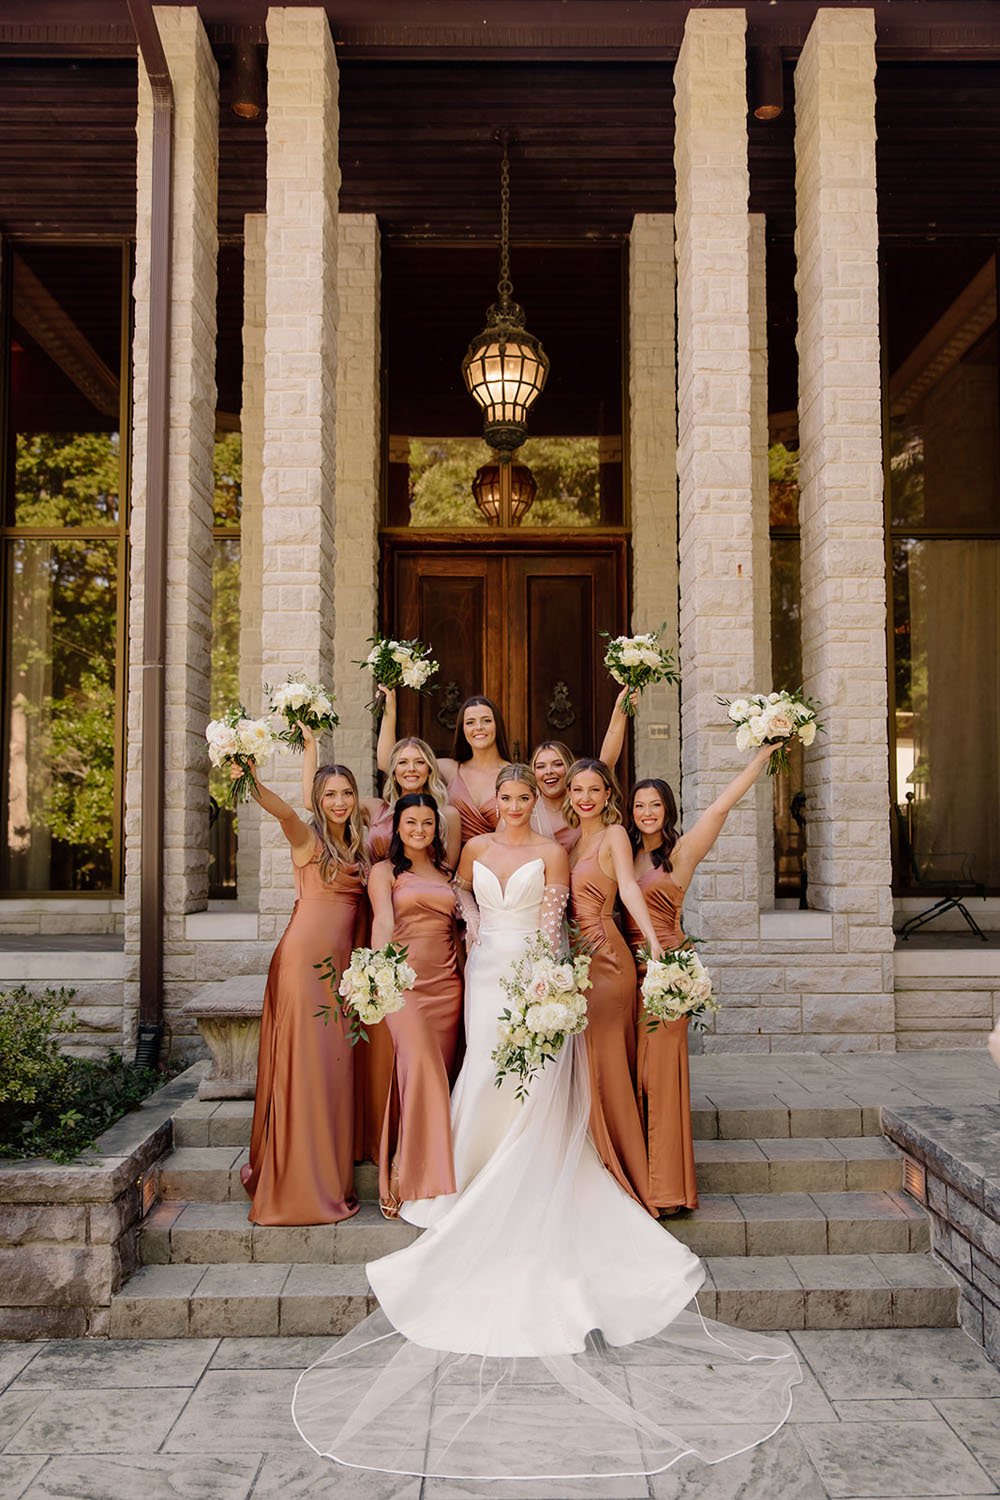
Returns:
(380, 874)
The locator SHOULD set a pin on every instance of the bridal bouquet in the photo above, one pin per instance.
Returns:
(675, 986)
(372, 987)
(772, 719)
(238, 740)
(547, 1005)
(638, 661)
(398, 663)
(299, 701)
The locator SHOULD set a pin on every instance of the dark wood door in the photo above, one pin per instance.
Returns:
(521, 626)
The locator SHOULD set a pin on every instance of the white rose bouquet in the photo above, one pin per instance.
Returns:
(372, 987)
(398, 664)
(675, 986)
(772, 719)
(238, 740)
(298, 701)
(547, 1005)
(637, 661)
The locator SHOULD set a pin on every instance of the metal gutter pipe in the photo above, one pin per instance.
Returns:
(154, 624)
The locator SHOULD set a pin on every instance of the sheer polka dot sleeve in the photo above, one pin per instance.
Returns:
(554, 903)
(468, 910)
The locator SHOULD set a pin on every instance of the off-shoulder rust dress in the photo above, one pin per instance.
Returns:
(373, 1059)
(417, 1125)
(475, 820)
(615, 1125)
(662, 1073)
(301, 1168)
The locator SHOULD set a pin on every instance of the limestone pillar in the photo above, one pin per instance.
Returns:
(652, 418)
(359, 438)
(300, 389)
(714, 453)
(840, 505)
(761, 535)
(190, 484)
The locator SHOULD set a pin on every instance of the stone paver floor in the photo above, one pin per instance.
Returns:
(881, 1415)
(956, 1077)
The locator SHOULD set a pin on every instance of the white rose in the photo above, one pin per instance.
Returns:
(774, 697)
(563, 976)
(807, 732)
(413, 676)
(402, 655)
(744, 739)
(758, 728)
(539, 988)
(630, 656)
(650, 658)
(779, 723)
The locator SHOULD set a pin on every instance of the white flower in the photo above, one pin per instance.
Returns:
(649, 658)
(563, 976)
(744, 738)
(779, 723)
(738, 709)
(758, 728)
(402, 655)
(807, 732)
(774, 697)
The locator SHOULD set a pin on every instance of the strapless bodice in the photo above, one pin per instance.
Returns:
(515, 907)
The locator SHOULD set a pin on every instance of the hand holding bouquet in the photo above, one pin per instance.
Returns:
(397, 664)
(547, 1005)
(298, 702)
(238, 740)
(638, 661)
(772, 719)
(675, 986)
(372, 987)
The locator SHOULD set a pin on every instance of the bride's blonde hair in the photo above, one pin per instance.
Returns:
(518, 772)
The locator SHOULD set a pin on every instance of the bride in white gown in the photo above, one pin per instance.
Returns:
(540, 1327)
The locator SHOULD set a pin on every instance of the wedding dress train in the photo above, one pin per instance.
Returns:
(540, 1327)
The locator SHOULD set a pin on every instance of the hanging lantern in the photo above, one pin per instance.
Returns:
(504, 492)
(506, 367)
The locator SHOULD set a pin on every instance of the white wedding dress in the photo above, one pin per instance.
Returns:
(540, 1327)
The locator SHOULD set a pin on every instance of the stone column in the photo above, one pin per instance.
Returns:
(251, 530)
(840, 506)
(716, 530)
(359, 437)
(652, 418)
(300, 389)
(190, 484)
(761, 535)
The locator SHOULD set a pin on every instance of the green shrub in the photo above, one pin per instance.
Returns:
(51, 1104)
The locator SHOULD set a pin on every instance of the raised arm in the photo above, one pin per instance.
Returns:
(628, 887)
(614, 736)
(299, 835)
(386, 728)
(380, 896)
(310, 764)
(692, 847)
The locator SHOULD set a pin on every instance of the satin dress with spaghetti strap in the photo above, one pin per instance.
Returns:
(610, 1035)
(301, 1167)
(373, 1059)
(475, 819)
(417, 1124)
(663, 1083)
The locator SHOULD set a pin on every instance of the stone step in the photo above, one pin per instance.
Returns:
(211, 1174)
(206, 1122)
(245, 1301)
(761, 1292)
(783, 1164)
(220, 1233)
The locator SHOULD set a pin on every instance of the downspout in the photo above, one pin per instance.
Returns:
(154, 633)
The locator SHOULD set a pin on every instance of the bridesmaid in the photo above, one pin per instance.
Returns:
(480, 754)
(413, 903)
(664, 865)
(301, 1167)
(600, 869)
(552, 759)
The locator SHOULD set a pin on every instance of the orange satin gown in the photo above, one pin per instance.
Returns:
(662, 1072)
(301, 1168)
(615, 1126)
(373, 1060)
(475, 820)
(379, 835)
(417, 1125)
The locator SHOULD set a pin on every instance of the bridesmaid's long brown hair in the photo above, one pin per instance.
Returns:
(462, 750)
(330, 859)
(661, 854)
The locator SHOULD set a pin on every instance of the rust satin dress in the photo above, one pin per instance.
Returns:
(301, 1168)
(417, 1125)
(475, 820)
(373, 1059)
(615, 1126)
(663, 1083)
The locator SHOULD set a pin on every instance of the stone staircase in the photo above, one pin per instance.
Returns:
(802, 1224)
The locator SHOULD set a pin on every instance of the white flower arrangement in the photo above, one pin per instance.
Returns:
(398, 664)
(372, 987)
(772, 719)
(238, 740)
(547, 1004)
(638, 661)
(675, 986)
(298, 701)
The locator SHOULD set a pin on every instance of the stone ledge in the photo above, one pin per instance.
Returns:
(61, 966)
(221, 926)
(947, 963)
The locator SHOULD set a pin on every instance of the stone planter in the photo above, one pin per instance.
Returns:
(228, 1016)
(69, 1235)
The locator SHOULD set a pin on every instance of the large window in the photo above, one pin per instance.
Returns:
(64, 569)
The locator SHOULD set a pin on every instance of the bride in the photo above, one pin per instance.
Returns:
(540, 1327)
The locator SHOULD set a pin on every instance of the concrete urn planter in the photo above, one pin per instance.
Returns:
(228, 1016)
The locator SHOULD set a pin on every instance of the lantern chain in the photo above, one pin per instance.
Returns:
(505, 286)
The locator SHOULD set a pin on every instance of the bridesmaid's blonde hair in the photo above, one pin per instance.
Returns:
(612, 809)
(564, 753)
(517, 772)
(330, 859)
(435, 781)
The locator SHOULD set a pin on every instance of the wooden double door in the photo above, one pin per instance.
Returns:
(519, 623)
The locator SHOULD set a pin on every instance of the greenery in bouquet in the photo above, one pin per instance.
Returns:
(396, 664)
(299, 701)
(676, 986)
(237, 740)
(773, 719)
(373, 986)
(547, 1004)
(639, 661)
